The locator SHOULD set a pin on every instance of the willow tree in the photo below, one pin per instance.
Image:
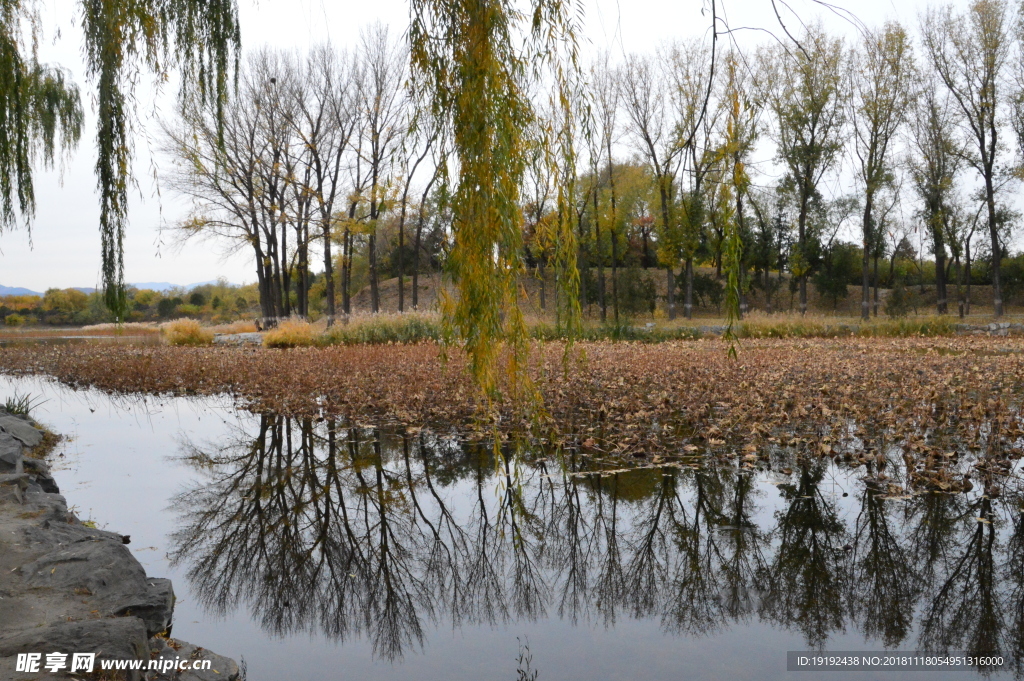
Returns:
(40, 112)
(469, 56)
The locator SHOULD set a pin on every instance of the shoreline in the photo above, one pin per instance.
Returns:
(67, 588)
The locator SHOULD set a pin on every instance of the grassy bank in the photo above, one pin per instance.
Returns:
(425, 327)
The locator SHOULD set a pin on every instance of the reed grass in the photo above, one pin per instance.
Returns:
(187, 332)
(408, 327)
(293, 333)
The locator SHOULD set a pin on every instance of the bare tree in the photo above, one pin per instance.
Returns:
(806, 93)
(606, 107)
(325, 122)
(653, 130)
(969, 52)
(883, 92)
(935, 161)
(235, 175)
(697, 118)
(382, 97)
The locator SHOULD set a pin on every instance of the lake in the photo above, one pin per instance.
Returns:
(314, 549)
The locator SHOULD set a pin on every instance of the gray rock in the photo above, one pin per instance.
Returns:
(21, 430)
(252, 338)
(19, 479)
(221, 668)
(56, 533)
(36, 466)
(54, 506)
(13, 486)
(10, 453)
(121, 638)
(155, 606)
(110, 573)
(47, 484)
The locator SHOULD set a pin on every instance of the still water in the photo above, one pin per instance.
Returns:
(315, 551)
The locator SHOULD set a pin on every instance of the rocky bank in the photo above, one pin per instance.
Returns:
(69, 588)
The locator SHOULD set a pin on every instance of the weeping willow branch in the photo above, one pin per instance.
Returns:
(733, 246)
(40, 112)
(123, 38)
(466, 55)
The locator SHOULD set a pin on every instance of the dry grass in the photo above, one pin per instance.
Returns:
(407, 327)
(293, 333)
(95, 330)
(187, 332)
(760, 325)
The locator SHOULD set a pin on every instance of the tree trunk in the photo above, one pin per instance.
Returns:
(802, 241)
(416, 264)
(374, 290)
(967, 275)
(543, 288)
(346, 273)
(874, 310)
(997, 290)
(960, 286)
(615, 280)
(328, 272)
(940, 272)
(670, 282)
(615, 274)
(865, 302)
(401, 260)
(286, 279)
(688, 303)
(600, 260)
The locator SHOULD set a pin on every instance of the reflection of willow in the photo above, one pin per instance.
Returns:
(806, 578)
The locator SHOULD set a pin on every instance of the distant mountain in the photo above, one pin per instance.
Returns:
(17, 291)
(155, 285)
(164, 286)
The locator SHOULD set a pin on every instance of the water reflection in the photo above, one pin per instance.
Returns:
(353, 532)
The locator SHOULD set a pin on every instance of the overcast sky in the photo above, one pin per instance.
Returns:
(64, 248)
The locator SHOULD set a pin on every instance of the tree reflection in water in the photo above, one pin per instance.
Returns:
(354, 532)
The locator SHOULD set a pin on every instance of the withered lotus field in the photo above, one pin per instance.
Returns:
(927, 400)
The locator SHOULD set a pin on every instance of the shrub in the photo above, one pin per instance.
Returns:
(707, 291)
(187, 332)
(292, 333)
(637, 294)
(901, 328)
(900, 300)
(15, 320)
(398, 328)
(167, 306)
